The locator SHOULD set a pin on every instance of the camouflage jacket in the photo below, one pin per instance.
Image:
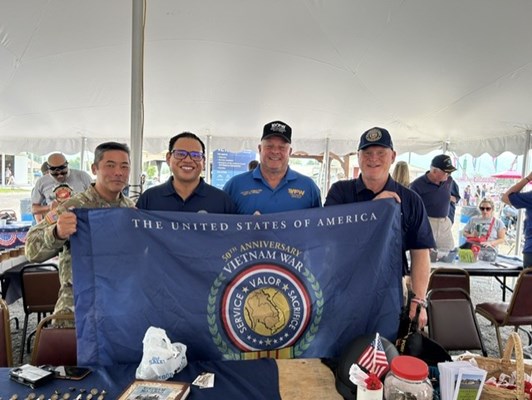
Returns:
(42, 244)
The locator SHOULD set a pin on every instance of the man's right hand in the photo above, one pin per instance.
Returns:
(66, 225)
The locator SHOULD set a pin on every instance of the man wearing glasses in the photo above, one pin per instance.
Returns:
(435, 189)
(186, 190)
(43, 197)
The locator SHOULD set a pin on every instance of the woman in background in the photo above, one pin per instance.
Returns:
(490, 230)
(401, 173)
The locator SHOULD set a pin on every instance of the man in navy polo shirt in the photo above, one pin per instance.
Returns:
(435, 189)
(186, 190)
(375, 158)
(273, 186)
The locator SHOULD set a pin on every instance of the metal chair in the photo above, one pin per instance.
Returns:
(441, 278)
(6, 352)
(516, 313)
(451, 320)
(40, 290)
(55, 345)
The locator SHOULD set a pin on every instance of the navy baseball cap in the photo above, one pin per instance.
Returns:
(375, 137)
(277, 128)
(444, 163)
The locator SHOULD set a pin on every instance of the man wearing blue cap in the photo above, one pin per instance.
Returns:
(435, 188)
(273, 186)
(375, 158)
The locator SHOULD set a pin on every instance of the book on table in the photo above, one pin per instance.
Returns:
(156, 390)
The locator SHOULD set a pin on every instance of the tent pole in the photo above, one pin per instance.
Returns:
(326, 170)
(82, 156)
(208, 159)
(137, 93)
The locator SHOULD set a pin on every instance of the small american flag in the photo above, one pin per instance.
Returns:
(373, 358)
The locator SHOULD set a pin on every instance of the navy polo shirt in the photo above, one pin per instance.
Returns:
(250, 192)
(204, 198)
(436, 197)
(524, 200)
(416, 230)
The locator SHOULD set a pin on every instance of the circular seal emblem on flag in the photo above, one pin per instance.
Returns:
(265, 307)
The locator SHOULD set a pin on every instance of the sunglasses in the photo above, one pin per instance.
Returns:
(58, 168)
(485, 208)
(182, 154)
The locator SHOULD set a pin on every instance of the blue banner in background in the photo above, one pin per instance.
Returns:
(295, 284)
(226, 164)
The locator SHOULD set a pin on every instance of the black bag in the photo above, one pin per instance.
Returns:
(415, 343)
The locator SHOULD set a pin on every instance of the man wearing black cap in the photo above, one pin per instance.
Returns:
(375, 158)
(435, 188)
(273, 186)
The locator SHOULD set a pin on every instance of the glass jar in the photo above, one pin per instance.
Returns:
(407, 380)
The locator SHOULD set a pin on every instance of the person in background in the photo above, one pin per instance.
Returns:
(401, 173)
(42, 195)
(51, 236)
(486, 226)
(186, 190)
(252, 165)
(44, 168)
(467, 195)
(273, 186)
(515, 198)
(434, 188)
(375, 158)
(509, 216)
(10, 179)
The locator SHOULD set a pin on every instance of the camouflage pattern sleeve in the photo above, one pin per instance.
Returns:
(41, 243)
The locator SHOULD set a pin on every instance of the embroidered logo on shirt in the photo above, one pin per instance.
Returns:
(250, 192)
(296, 193)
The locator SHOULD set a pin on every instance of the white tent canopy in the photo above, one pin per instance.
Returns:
(449, 74)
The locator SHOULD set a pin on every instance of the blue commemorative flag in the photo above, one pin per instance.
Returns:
(295, 284)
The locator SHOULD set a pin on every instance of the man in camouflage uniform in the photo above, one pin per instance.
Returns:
(51, 236)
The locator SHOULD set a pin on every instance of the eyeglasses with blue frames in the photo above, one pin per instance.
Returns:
(182, 154)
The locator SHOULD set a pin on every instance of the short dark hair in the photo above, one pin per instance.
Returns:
(107, 146)
(189, 135)
(252, 164)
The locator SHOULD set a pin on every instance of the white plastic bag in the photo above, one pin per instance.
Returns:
(161, 359)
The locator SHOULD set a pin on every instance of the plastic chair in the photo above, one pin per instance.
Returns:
(6, 352)
(40, 289)
(516, 313)
(55, 345)
(452, 321)
(442, 278)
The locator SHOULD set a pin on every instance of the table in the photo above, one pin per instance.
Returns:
(502, 268)
(265, 379)
(10, 278)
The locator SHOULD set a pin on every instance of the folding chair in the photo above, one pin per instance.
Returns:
(6, 353)
(441, 278)
(55, 345)
(516, 313)
(451, 320)
(40, 290)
